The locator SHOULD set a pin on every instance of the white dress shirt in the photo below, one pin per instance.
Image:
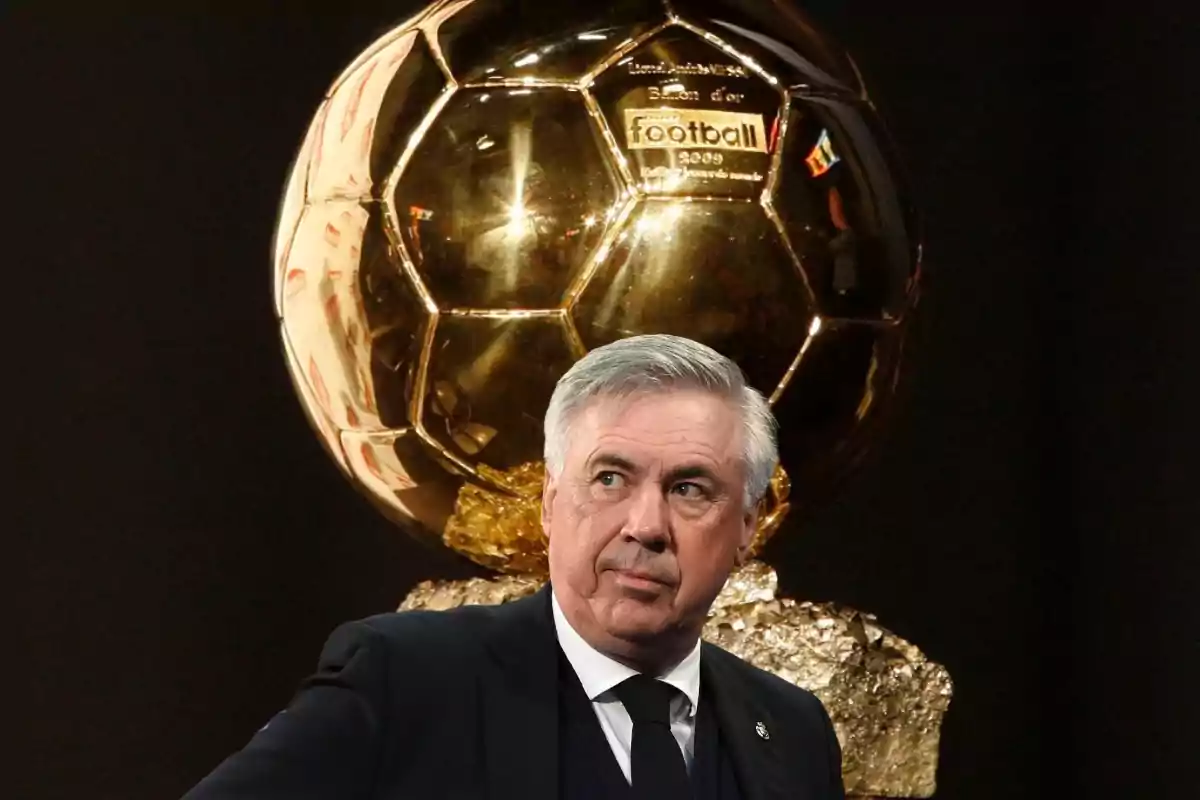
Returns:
(599, 674)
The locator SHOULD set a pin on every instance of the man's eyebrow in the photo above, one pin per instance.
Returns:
(690, 471)
(606, 459)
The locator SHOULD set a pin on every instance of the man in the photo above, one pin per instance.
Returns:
(598, 686)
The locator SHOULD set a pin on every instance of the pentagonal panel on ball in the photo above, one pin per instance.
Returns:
(336, 333)
(489, 383)
(505, 198)
(711, 271)
(845, 209)
(689, 117)
(369, 117)
(490, 40)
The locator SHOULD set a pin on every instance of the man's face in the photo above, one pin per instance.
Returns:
(646, 519)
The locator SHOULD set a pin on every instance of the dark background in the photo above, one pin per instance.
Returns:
(183, 546)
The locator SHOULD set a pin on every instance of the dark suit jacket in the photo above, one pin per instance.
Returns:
(464, 704)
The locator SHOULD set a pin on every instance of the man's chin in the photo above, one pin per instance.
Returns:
(636, 621)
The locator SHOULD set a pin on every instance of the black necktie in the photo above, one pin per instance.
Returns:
(657, 767)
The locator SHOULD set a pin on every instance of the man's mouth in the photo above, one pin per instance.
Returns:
(641, 580)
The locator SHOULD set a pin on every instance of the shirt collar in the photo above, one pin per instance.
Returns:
(598, 673)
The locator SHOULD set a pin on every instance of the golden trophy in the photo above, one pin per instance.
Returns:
(492, 188)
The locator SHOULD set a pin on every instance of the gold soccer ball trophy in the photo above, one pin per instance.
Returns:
(494, 187)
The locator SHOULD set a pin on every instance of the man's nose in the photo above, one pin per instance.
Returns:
(649, 519)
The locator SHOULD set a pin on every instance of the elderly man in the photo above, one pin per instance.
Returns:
(598, 686)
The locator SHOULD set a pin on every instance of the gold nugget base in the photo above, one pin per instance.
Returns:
(886, 699)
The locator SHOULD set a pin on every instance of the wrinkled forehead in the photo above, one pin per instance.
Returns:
(659, 423)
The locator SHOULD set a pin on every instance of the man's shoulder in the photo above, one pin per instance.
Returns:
(455, 628)
(425, 624)
(777, 692)
(441, 639)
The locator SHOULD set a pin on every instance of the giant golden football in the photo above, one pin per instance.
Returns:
(494, 187)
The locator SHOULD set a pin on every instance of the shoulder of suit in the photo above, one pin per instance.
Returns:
(781, 692)
(440, 640)
(440, 629)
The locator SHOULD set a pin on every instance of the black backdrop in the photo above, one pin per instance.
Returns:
(183, 546)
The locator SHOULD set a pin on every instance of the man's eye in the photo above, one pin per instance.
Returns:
(609, 480)
(690, 491)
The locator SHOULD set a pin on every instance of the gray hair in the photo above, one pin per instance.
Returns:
(655, 362)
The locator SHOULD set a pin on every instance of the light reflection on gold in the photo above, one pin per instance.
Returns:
(619, 54)
(791, 370)
(483, 43)
(398, 32)
(781, 42)
(323, 317)
(500, 227)
(868, 396)
(341, 164)
(502, 313)
(313, 396)
(610, 144)
(742, 58)
(768, 193)
(432, 23)
(616, 217)
(292, 205)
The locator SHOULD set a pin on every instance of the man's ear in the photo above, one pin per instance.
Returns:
(749, 528)
(549, 489)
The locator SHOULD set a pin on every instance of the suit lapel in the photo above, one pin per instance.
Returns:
(746, 727)
(520, 712)
(520, 702)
